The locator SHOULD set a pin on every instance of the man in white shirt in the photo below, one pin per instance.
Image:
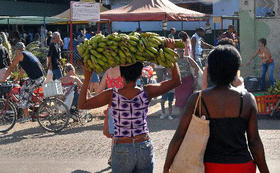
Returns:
(198, 45)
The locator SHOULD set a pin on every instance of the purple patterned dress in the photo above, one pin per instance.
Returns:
(130, 115)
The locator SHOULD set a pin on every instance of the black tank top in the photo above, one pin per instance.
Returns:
(31, 65)
(227, 142)
(4, 57)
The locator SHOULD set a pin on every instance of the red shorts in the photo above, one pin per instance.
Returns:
(249, 167)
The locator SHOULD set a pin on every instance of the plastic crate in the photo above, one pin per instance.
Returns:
(252, 84)
(52, 88)
(266, 103)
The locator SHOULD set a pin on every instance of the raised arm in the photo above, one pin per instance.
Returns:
(205, 78)
(155, 90)
(180, 133)
(15, 62)
(21, 73)
(254, 56)
(100, 100)
(254, 140)
(206, 45)
(193, 42)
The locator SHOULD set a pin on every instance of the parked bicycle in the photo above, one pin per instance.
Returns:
(81, 116)
(51, 113)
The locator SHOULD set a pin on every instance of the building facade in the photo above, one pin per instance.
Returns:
(255, 25)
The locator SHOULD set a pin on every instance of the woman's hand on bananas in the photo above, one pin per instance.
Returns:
(170, 43)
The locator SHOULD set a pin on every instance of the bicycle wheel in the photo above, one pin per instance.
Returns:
(84, 116)
(53, 115)
(8, 115)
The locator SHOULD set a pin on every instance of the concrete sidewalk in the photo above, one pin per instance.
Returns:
(76, 166)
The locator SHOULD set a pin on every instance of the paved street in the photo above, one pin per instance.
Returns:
(82, 149)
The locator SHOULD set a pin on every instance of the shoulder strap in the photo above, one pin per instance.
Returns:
(116, 90)
(204, 105)
(198, 100)
(241, 104)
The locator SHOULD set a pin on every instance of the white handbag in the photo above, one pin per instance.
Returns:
(189, 158)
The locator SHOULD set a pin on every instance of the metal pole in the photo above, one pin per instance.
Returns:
(109, 27)
(98, 28)
(71, 34)
(165, 31)
(68, 26)
(45, 28)
(9, 26)
(214, 32)
(222, 24)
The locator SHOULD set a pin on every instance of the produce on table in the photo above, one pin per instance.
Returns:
(40, 52)
(100, 52)
(15, 75)
(275, 90)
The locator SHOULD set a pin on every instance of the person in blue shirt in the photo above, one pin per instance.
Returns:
(218, 38)
(88, 35)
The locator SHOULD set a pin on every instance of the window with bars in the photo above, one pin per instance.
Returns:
(267, 8)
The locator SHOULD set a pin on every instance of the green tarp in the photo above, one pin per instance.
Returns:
(29, 20)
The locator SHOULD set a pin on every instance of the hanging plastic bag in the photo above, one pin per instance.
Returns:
(69, 99)
(49, 76)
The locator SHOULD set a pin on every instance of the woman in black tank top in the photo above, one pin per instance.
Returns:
(232, 114)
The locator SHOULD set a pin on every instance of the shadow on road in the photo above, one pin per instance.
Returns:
(156, 124)
(38, 132)
(269, 124)
(104, 170)
(155, 101)
(80, 171)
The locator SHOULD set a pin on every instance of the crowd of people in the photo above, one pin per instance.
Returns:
(230, 117)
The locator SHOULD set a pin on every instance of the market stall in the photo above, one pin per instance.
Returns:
(152, 10)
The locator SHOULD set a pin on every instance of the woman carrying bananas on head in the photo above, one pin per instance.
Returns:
(133, 150)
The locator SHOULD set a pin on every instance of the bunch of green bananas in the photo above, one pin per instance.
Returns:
(100, 52)
(275, 90)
